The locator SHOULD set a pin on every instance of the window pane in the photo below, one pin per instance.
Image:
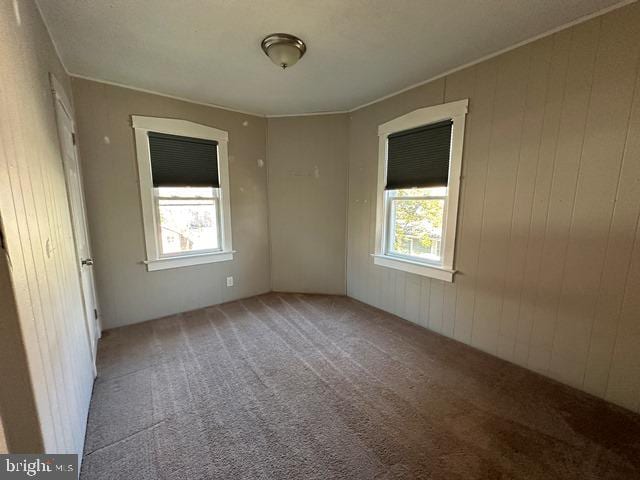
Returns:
(188, 192)
(416, 228)
(188, 225)
(420, 192)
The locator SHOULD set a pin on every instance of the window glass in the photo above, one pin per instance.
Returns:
(188, 219)
(416, 219)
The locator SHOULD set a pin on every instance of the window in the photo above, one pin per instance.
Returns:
(420, 156)
(184, 190)
(416, 218)
(188, 219)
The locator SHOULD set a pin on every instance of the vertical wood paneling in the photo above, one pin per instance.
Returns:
(475, 165)
(623, 385)
(400, 280)
(373, 273)
(606, 131)
(425, 299)
(32, 281)
(25, 288)
(358, 216)
(34, 208)
(387, 289)
(436, 305)
(567, 157)
(616, 262)
(449, 309)
(458, 86)
(412, 298)
(529, 311)
(504, 137)
(548, 247)
(42, 233)
(515, 317)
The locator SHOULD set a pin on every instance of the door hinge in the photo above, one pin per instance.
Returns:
(95, 313)
(73, 137)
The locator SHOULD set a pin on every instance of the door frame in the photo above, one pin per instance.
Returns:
(59, 96)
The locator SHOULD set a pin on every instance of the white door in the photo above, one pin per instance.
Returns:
(67, 136)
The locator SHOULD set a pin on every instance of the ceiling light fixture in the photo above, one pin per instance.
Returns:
(283, 49)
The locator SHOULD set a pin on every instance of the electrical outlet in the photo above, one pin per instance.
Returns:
(229, 281)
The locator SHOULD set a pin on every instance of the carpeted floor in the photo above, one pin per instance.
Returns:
(286, 386)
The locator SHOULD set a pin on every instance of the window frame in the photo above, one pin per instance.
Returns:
(456, 112)
(155, 260)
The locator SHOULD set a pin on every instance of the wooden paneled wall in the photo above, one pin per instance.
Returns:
(43, 283)
(548, 246)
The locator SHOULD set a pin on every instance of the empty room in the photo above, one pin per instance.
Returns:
(337, 239)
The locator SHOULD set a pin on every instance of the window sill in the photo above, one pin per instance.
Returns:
(432, 271)
(188, 260)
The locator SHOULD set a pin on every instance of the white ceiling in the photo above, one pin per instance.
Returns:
(358, 50)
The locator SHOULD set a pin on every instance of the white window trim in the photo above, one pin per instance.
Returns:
(154, 260)
(455, 111)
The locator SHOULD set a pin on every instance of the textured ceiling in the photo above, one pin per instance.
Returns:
(358, 50)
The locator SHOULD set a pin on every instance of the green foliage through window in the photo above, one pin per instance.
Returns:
(417, 222)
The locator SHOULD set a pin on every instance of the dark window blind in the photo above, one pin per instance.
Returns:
(178, 161)
(419, 157)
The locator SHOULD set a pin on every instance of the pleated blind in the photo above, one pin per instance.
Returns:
(419, 157)
(178, 161)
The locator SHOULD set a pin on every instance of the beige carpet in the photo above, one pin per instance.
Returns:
(286, 386)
